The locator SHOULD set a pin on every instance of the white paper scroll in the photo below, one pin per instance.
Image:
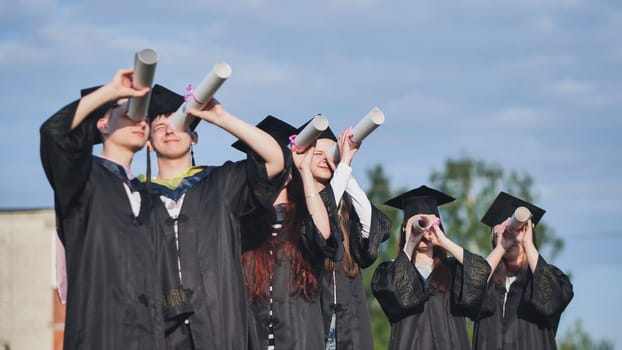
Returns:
(520, 217)
(311, 132)
(144, 71)
(201, 95)
(419, 226)
(373, 119)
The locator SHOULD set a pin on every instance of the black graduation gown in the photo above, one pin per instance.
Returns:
(532, 311)
(210, 248)
(422, 317)
(112, 299)
(297, 322)
(353, 326)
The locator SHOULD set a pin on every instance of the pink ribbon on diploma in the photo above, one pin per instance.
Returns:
(191, 94)
(292, 140)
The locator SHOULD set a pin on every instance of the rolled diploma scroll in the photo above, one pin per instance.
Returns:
(144, 71)
(180, 120)
(420, 225)
(311, 132)
(373, 119)
(520, 217)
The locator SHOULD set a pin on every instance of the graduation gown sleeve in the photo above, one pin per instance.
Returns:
(265, 190)
(66, 155)
(365, 250)
(470, 282)
(399, 288)
(548, 292)
(312, 239)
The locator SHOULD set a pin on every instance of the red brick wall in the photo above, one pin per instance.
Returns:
(59, 321)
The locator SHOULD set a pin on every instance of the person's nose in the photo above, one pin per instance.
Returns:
(142, 123)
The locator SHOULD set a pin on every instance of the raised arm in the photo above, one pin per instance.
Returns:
(258, 140)
(501, 245)
(314, 202)
(67, 140)
(438, 238)
(119, 87)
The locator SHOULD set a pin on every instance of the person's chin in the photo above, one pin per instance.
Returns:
(424, 247)
(512, 253)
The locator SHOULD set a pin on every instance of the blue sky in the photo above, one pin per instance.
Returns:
(533, 86)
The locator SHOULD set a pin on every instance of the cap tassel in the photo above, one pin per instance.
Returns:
(192, 156)
(148, 176)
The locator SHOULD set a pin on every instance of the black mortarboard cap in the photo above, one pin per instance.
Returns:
(326, 134)
(164, 102)
(421, 200)
(99, 112)
(504, 206)
(278, 129)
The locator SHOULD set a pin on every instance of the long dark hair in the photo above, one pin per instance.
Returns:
(441, 276)
(350, 267)
(258, 264)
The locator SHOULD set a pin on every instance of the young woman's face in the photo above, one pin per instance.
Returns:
(515, 250)
(168, 142)
(320, 168)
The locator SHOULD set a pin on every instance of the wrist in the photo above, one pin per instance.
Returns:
(529, 246)
(346, 161)
(311, 195)
(444, 242)
(106, 93)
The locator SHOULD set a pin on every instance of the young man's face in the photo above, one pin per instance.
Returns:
(122, 131)
(168, 142)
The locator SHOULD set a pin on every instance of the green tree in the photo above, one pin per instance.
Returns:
(378, 193)
(576, 338)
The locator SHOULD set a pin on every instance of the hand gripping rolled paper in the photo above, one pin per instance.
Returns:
(180, 120)
(373, 119)
(311, 132)
(145, 62)
(520, 217)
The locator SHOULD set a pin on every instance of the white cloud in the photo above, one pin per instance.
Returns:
(16, 12)
(570, 87)
(538, 61)
(544, 24)
(526, 4)
(413, 105)
(523, 117)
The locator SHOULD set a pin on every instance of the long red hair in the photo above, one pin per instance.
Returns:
(258, 264)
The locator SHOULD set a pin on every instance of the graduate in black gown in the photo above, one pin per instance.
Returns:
(526, 295)
(424, 293)
(344, 302)
(282, 267)
(198, 209)
(112, 299)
